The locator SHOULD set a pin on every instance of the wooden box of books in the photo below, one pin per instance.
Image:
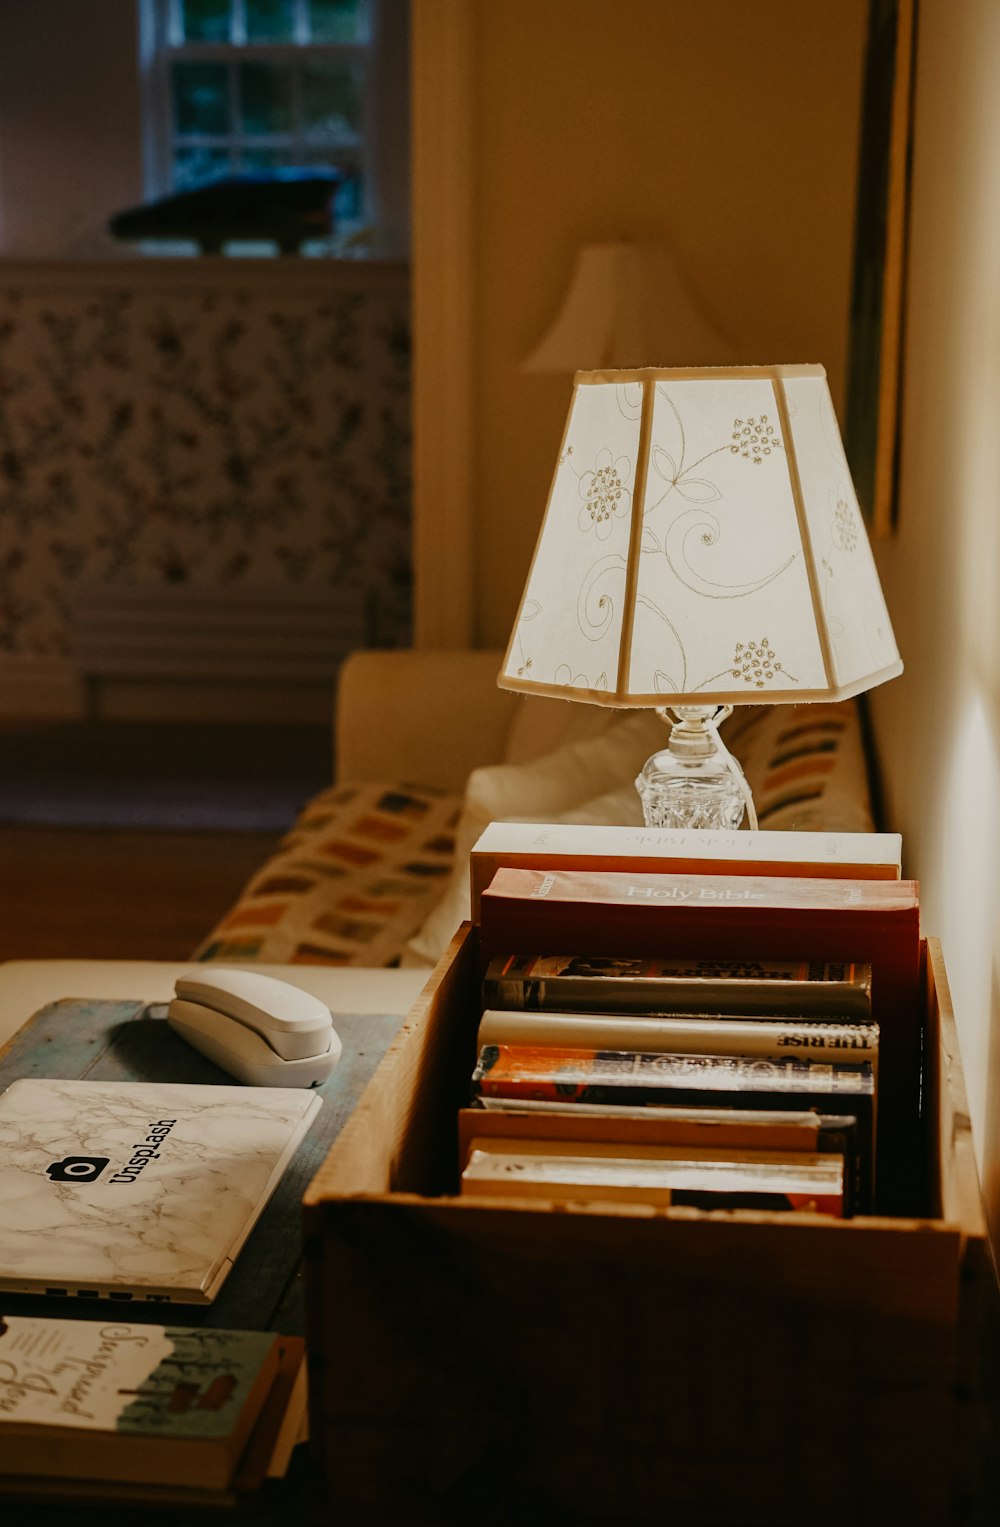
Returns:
(493, 1358)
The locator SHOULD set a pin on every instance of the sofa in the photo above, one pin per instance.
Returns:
(427, 750)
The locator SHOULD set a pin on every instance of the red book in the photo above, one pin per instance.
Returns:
(744, 917)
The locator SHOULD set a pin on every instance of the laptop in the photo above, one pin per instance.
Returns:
(141, 1191)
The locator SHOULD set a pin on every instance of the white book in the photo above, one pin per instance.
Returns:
(568, 845)
(763, 1038)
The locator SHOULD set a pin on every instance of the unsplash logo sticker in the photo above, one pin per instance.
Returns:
(77, 1168)
(89, 1168)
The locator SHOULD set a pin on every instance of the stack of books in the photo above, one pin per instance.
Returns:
(709, 1041)
(109, 1411)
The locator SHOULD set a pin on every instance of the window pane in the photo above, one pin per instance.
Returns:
(337, 20)
(347, 203)
(331, 101)
(195, 167)
(201, 98)
(266, 96)
(253, 160)
(270, 20)
(206, 20)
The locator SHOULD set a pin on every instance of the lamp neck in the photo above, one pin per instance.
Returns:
(694, 729)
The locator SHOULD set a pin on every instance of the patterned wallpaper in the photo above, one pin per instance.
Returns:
(206, 423)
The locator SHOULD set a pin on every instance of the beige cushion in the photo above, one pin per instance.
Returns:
(541, 726)
(589, 780)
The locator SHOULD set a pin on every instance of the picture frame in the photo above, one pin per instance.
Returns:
(878, 290)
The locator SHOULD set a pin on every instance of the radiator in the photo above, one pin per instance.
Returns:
(251, 635)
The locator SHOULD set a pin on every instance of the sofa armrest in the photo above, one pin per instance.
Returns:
(420, 717)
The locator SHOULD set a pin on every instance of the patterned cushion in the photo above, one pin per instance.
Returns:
(806, 766)
(354, 878)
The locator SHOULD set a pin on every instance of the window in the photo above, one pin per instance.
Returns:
(244, 87)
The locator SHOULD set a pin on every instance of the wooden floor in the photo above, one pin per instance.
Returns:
(108, 894)
(135, 890)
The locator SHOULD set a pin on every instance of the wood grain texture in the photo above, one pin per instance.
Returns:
(604, 1363)
(598, 1362)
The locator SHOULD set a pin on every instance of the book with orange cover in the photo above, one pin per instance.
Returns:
(744, 917)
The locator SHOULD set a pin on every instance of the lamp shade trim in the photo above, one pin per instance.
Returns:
(695, 374)
(635, 537)
(781, 403)
(658, 701)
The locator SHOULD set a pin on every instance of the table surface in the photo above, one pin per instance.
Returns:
(28, 985)
(113, 1027)
(127, 1041)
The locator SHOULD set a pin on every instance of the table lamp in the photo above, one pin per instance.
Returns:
(702, 547)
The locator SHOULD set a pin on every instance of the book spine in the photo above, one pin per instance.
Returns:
(602, 1077)
(681, 1035)
(568, 1070)
(799, 990)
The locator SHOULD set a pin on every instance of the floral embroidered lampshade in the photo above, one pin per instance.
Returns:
(702, 542)
(702, 546)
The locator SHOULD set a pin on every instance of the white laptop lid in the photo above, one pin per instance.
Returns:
(137, 1189)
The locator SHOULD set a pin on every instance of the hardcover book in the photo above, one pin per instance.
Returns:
(106, 1400)
(769, 1039)
(749, 917)
(564, 845)
(604, 984)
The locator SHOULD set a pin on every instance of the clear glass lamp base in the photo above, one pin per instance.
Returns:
(695, 782)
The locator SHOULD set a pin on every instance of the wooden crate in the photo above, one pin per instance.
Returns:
(477, 1362)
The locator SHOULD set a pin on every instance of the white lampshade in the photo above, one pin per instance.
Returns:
(702, 543)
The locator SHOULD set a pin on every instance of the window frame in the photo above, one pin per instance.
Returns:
(160, 46)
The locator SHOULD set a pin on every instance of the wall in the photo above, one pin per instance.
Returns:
(939, 725)
(728, 132)
(70, 139)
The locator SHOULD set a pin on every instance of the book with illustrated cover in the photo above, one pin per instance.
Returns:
(578, 1075)
(657, 1175)
(694, 917)
(612, 1077)
(112, 1402)
(737, 1131)
(682, 1035)
(681, 851)
(752, 987)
